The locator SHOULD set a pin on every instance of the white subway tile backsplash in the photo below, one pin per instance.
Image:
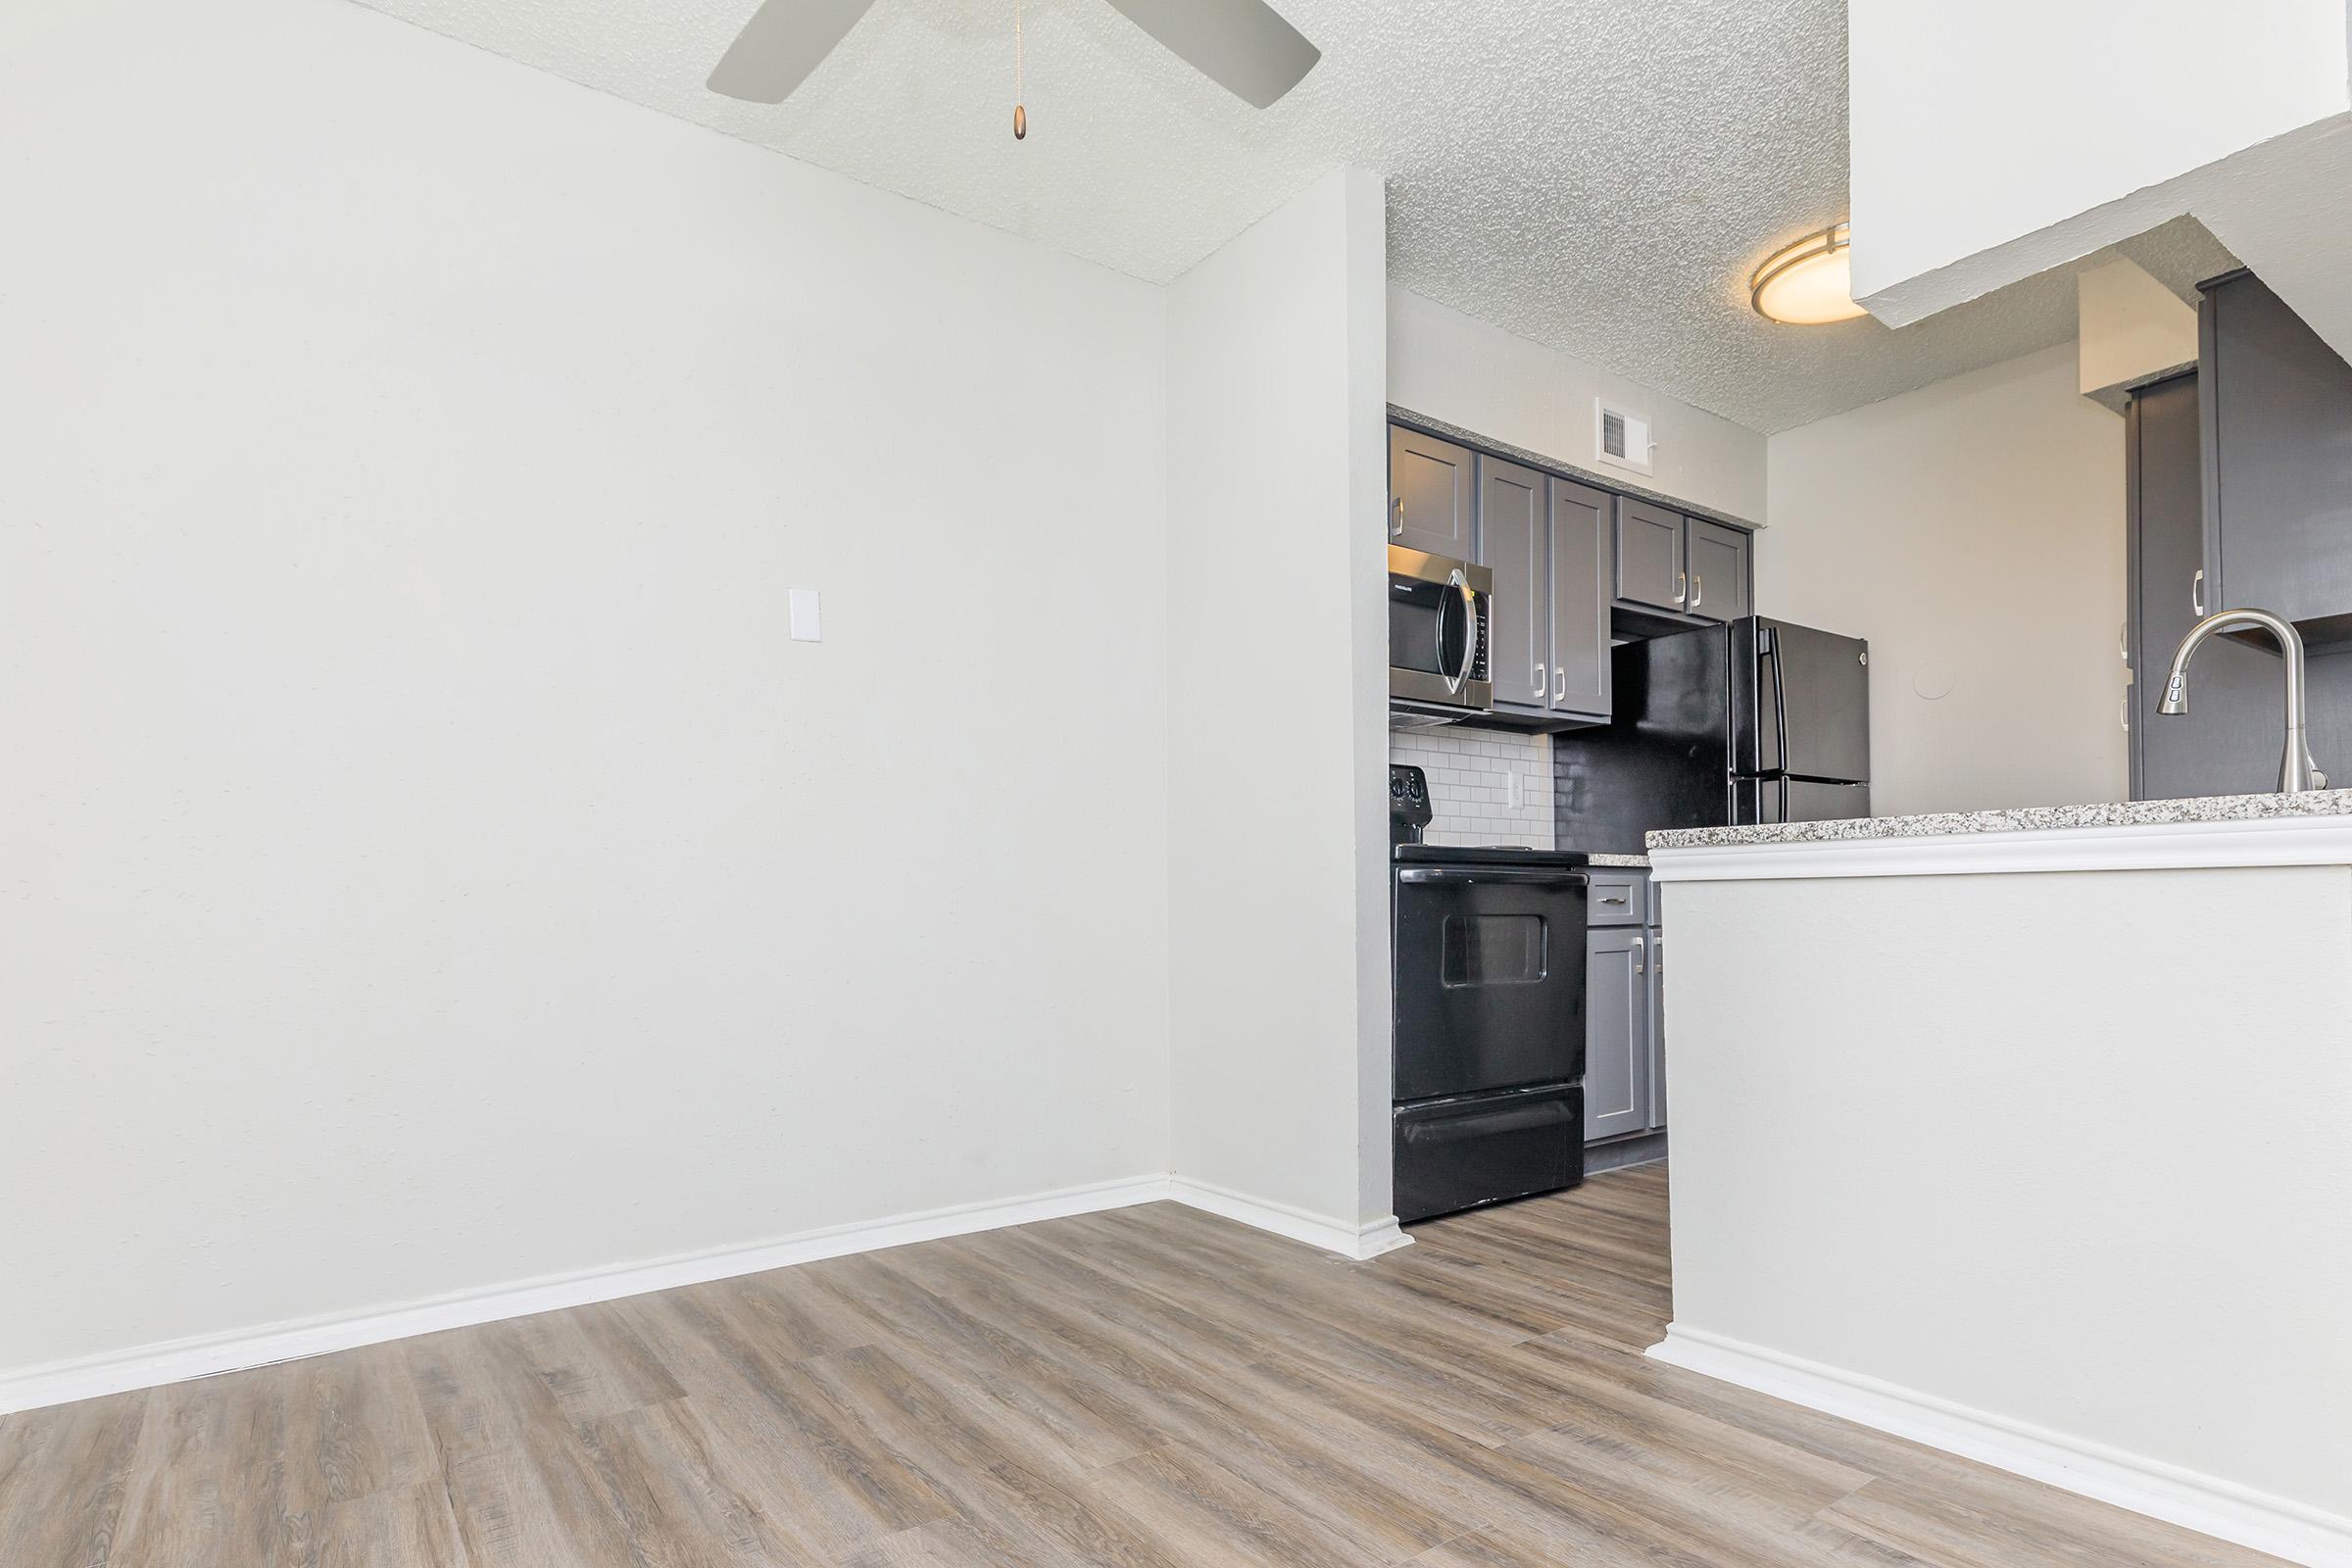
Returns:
(1470, 784)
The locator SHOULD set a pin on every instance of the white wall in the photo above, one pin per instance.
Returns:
(1974, 532)
(1279, 1017)
(424, 862)
(2047, 1167)
(1993, 141)
(1512, 389)
(1971, 126)
(2128, 327)
(1485, 786)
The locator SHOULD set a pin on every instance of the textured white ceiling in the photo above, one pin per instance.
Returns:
(1597, 175)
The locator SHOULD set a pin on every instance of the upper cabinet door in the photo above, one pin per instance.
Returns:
(1579, 600)
(2278, 447)
(1718, 584)
(1510, 502)
(1429, 495)
(1649, 555)
(2228, 742)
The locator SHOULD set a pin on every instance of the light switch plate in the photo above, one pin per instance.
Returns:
(801, 607)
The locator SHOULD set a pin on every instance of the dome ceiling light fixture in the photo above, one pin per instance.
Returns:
(1808, 283)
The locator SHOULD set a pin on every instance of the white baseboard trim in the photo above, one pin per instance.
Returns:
(1369, 1240)
(2209, 1504)
(203, 1356)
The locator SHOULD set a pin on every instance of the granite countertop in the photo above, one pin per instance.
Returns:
(2027, 818)
(1636, 861)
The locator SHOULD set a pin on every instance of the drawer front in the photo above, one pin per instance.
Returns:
(1462, 1155)
(1619, 898)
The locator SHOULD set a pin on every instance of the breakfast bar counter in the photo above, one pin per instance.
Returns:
(2029, 1135)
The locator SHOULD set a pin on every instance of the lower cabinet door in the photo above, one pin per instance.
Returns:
(1657, 1028)
(1617, 1043)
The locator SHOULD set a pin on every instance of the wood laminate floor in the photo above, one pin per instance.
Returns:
(1152, 1388)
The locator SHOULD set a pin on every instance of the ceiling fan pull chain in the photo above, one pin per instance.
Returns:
(1021, 114)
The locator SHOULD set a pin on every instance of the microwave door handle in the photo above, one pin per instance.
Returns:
(1456, 583)
(1471, 629)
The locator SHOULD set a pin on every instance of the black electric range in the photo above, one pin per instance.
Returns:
(1488, 950)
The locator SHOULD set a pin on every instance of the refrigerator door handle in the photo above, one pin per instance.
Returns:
(1768, 649)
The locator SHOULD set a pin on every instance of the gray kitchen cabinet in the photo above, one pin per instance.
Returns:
(1718, 565)
(1516, 548)
(1618, 1002)
(1580, 601)
(1655, 1043)
(1649, 555)
(1545, 540)
(2276, 441)
(1689, 569)
(1430, 496)
(2228, 742)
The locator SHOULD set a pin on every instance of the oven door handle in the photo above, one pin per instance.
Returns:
(1423, 875)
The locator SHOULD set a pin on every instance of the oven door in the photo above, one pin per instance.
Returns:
(1440, 614)
(1489, 979)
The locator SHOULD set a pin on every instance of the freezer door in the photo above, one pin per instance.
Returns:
(1800, 701)
(1799, 800)
(1457, 1155)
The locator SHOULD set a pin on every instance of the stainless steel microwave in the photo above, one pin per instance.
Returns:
(1440, 621)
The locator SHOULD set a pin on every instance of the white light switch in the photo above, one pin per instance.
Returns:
(803, 608)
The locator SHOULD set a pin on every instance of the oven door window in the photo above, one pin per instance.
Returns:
(1493, 950)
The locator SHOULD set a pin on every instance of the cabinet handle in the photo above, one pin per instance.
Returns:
(1538, 683)
(1698, 590)
(1657, 956)
(1559, 685)
(1682, 587)
(1640, 949)
(2123, 643)
(2196, 592)
(1612, 898)
(2123, 711)
(1396, 518)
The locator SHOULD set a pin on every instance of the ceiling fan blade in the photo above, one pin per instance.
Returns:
(1241, 45)
(781, 44)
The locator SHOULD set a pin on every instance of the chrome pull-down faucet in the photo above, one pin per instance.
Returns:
(2298, 772)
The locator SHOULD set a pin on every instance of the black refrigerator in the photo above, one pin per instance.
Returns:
(1753, 721)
